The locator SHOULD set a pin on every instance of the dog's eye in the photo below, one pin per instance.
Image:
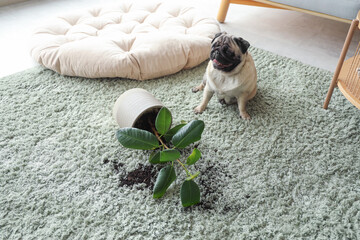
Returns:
(230, 53)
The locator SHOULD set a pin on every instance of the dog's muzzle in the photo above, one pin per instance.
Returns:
(221, 61)
(220, 65)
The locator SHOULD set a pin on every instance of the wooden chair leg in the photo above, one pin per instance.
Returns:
(224, 6)
(333, 83)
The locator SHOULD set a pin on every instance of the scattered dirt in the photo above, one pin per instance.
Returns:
(210, 179)
(143, 174)
(209, 182)
(209, 192)
(116, 166)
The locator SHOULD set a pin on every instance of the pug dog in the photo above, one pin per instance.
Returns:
(230, 73)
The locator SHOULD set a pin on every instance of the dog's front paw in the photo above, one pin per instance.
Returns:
(195, 89)
(198, 88)
(199, 109)
(222, 101)
(245, 115)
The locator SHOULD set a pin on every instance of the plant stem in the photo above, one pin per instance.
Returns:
(162, 143)
(157, 134)
(187, 171)
(158, 137)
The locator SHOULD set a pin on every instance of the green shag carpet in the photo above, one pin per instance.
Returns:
(292, 172)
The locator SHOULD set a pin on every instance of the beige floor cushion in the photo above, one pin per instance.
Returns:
(137, 40)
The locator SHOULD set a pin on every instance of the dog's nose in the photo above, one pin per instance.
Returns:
(224, 48)
(216, 54)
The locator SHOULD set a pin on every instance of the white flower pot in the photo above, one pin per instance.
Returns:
(134, 107)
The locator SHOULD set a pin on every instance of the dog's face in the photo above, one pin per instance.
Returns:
(227, 51)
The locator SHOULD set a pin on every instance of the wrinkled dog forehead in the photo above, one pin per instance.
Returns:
(232, 42)
(227, 40)
(224, 39)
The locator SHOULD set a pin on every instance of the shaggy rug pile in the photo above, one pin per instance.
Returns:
(291, 172)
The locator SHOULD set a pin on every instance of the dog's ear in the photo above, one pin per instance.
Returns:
(218, 35)
(243, 44)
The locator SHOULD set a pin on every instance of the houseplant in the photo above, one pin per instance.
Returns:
(152, 130)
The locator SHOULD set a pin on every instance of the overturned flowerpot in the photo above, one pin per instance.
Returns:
(136, 108)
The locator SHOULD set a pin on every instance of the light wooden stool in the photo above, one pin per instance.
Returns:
(224, 6)
(347, 73)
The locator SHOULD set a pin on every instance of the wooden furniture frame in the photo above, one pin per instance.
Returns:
(8, 2)
(224, 6)
(347, 73)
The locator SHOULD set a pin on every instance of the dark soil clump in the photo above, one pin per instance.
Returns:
(143, 174)
(145, 119)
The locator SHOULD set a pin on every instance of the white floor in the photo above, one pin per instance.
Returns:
(312, 40)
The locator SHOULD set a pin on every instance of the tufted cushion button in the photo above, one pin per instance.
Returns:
(95, 12)
(138, 40)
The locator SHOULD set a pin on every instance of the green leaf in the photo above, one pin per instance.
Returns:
(188, 134)
(189, 193)
(169, 134)
(137, 138)
(169, 155)
(163, 120)
(154, 157)
(166, 176)
(194, 157)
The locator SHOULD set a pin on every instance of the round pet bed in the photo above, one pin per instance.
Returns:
(137, 40)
